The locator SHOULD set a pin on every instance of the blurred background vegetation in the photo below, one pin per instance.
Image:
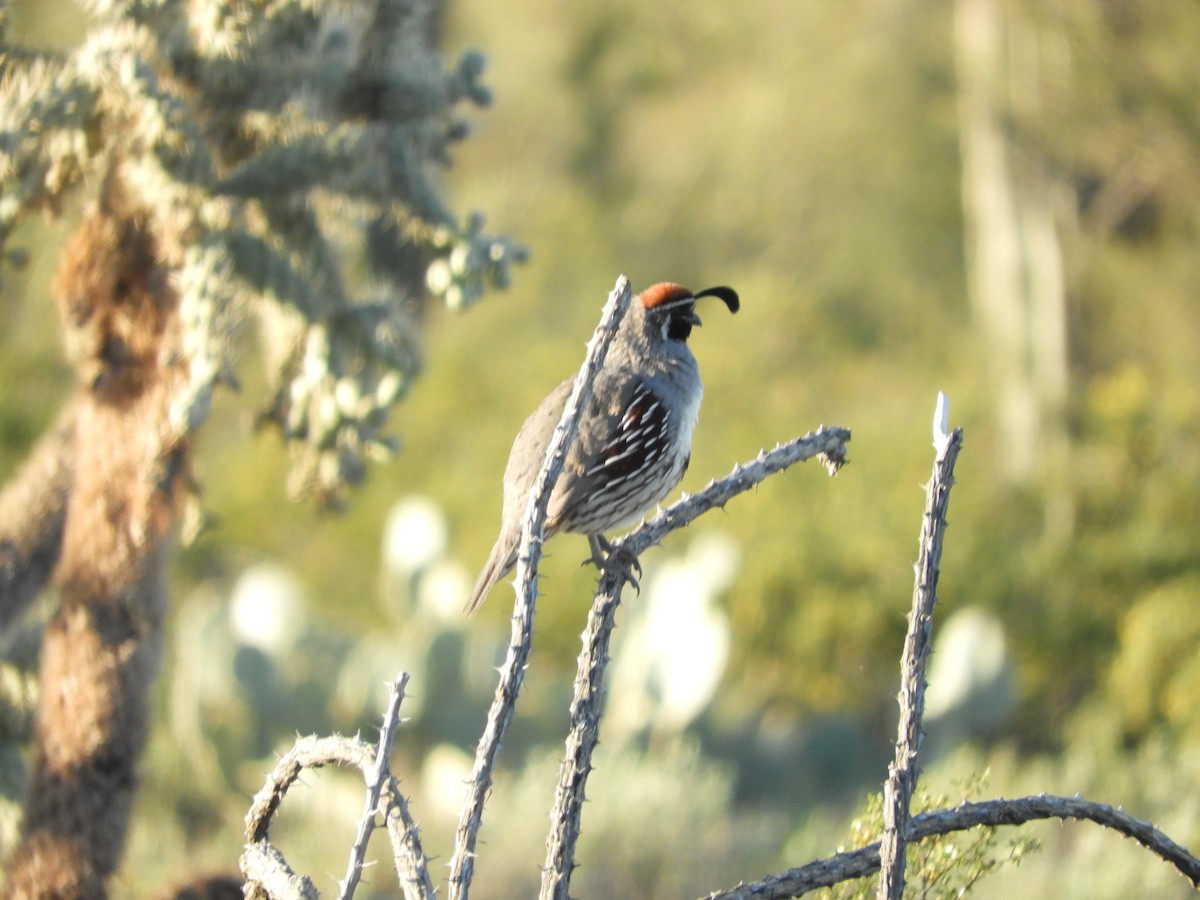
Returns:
(816, 157)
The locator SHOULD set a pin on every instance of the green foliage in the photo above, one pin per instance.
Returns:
(1156, 673)
(944, 867)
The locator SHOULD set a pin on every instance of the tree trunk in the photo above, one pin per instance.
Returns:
(101, 649)
(1012, 206)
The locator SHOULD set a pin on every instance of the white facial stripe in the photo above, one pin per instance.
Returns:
(666, 305)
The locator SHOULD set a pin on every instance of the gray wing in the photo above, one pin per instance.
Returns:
(524, 463)
(622, 429)
(529, 451)
(623, 423)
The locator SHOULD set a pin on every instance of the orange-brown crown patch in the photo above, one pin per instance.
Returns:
(666, 292)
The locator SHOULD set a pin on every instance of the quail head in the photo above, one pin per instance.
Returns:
(635, 436)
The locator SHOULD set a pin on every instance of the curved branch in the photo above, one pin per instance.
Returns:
(307, 753)
(586, 705)
(264, 867)
(267, 874)
(412, 866)
(865, 861)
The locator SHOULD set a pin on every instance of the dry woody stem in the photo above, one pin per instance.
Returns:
(587, 703)
(376, 776)
(268, 874)
(462, 862)
(902, 774)
(865, 861)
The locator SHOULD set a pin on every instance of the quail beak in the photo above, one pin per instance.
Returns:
(693, 319)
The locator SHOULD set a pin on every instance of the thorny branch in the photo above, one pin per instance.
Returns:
(902, 774)
(865, 860)
(376, 778)
(266, 871)
(587, 704)
(268, 874)
(462, 862)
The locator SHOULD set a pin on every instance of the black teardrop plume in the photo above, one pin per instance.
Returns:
(727, 294)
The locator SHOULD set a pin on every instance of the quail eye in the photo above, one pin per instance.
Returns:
(677, 328)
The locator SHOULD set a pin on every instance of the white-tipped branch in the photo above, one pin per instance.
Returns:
(902, 774)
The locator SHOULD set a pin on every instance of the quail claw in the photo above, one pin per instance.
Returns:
(614, 560)
(601, 547)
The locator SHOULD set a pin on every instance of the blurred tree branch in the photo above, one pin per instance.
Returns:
(264, 184)
(33, 509)
(1013, 206)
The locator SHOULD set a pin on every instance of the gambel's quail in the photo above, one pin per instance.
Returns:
(635, 436)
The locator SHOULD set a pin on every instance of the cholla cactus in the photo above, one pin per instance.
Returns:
(287, 155)
(243, 161)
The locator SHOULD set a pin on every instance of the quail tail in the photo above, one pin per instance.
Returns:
(502, 560)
